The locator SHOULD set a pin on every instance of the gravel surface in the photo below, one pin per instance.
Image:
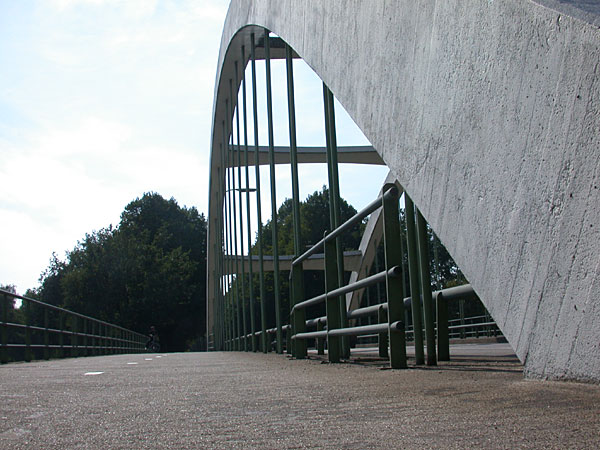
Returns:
(244, 400)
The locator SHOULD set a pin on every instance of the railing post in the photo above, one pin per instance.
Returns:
(86, 350)
(93, 342)
(28, 318)
(299, 316)
(393, 258)
(46, 335)
(263, 311)
(426, 288)
(273, 195)
(4, 351)
(442, 328)
(61, 336)
(320, 341)
(74, 340)
(332, 303)
(383, 337)
(413, 271)
(461, 312)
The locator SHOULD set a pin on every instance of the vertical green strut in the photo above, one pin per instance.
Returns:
(226, 260)
(238, 293)
(393, 258)
(225, 241)
(426, 288)
(334, 204)
(263, 306)
(230, 224)
(239, 161)
(297, 277)
(249, 232)
(273, 194)
(219, 269)
(413, 271)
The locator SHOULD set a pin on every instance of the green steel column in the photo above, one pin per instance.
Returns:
(232, 292)
(227, 246)
(393, 258)
(28, 318)
(442, 328)
(378, 285)
(248, 212)
(334, 204)
(273, 195)
(298, 318)
(46, 334)
(413, 271)
(238, 291)
(383, 340)
(320, 341)
(461, 312)
(5, 306)
(332, 303)
(426, 288)
(263, 310)
(404, 272)
(239, 188)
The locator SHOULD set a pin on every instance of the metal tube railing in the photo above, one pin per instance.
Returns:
(113, 338)
(365, 282)
(348, 224)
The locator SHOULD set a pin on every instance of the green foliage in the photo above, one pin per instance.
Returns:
(150, 270)
(314, 221)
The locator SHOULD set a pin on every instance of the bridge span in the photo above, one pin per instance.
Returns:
(486, 113)
(221, 400)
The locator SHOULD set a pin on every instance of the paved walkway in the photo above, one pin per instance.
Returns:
(241, 400)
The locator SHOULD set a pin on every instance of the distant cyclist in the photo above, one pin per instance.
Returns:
(153, 343)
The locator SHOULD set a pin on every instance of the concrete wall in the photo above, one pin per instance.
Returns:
(487, 112)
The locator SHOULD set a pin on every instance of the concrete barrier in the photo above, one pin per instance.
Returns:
(488, 114)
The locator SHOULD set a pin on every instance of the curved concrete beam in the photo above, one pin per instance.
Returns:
(487, 112)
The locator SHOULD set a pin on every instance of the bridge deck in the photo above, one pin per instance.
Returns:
(241, 400)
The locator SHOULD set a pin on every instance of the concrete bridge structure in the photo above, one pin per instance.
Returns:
(487, 114)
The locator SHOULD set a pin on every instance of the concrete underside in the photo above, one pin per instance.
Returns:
(255, 401)
(487, 113)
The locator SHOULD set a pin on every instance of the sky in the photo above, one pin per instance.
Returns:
(104, 100)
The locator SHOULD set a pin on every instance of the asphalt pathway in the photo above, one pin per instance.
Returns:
(245, 400)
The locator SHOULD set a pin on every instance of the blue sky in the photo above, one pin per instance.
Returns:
(103, 100)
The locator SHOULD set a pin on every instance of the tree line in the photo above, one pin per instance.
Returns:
(149, 270)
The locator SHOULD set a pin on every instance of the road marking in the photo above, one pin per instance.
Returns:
(93, 373)
(131, 363)
(159, 356)
(147, 359)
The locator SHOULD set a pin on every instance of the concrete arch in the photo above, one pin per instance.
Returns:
(488, 115)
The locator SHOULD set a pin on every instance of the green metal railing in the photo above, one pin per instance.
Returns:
(333, 296)
(239, 325)
(57, 332)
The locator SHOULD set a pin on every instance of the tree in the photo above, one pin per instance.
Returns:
(149, 270)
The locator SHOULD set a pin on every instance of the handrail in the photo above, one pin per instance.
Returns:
(365, 282)
(58, 308)
(374, 205)
(103, 337)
